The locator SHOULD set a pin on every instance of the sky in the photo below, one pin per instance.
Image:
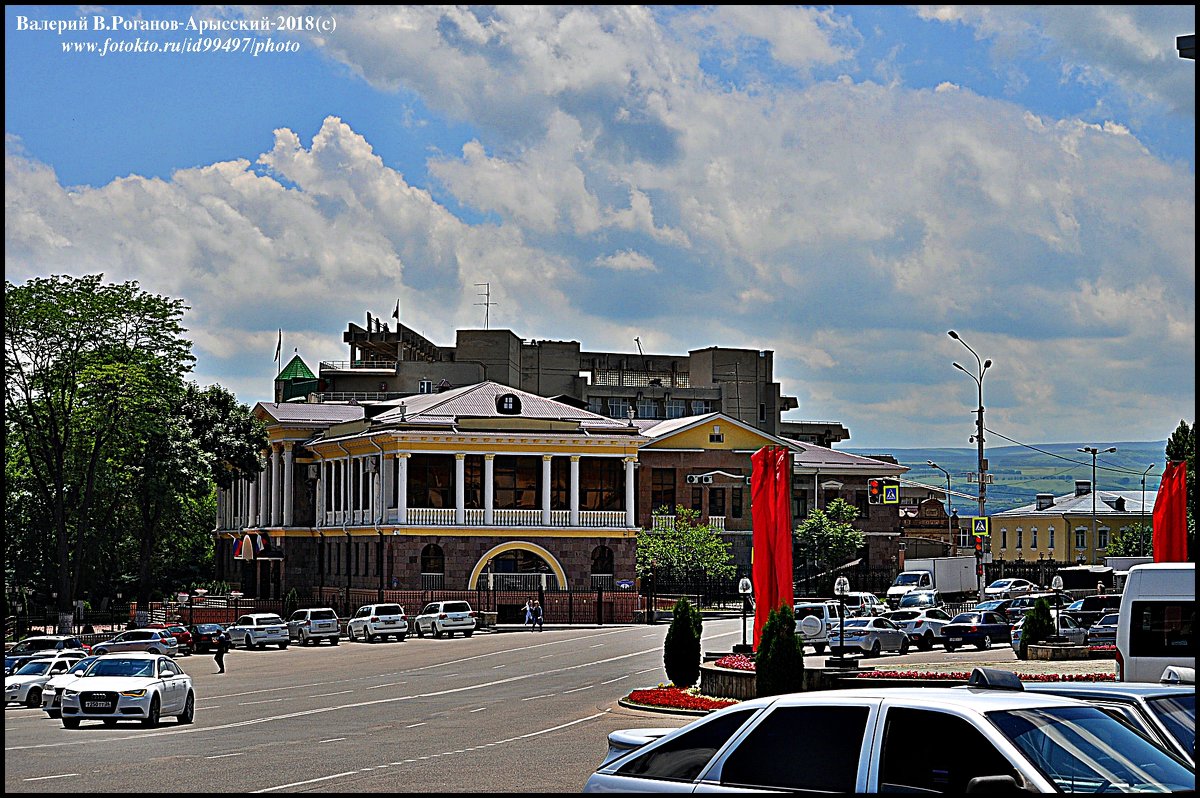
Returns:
(840, 185)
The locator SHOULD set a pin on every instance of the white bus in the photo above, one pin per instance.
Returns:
(1156, 621)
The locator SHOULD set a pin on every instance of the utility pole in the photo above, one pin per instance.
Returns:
(977, 438)
(487, 302)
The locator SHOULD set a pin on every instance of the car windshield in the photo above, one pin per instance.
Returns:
(1178, 714)
(917, 600)
(1083, 749)
(457, 606)
(988, 605)
(26, 646)
(1001, 583)
(208, 628)
(82, 665)
(967, 617)
(1107, 620)
(903, 615)
(857, 622)
(34, 668)
(323, 615)
(908, 579)
(115, 666)
(1076, 605)
(269, 620)
(389, 609)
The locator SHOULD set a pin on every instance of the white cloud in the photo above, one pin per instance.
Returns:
(626, 261)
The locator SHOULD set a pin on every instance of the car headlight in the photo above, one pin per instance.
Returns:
(133, 693)
(70, 693)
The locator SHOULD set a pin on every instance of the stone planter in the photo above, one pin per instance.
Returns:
(727, 682)
(1110, 653)
(1050, 651)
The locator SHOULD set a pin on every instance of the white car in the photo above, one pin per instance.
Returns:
(923, 626)
(1009, 588)
(377, 622)
(52, 690)
(311, 626)
(827, 612)
(859, 605)
(26, 685)
(868, 740)
(445, 618)
(151, 641)
(258, 630)
(129, 687)
(871, 636)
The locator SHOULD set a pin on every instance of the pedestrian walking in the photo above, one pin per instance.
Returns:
(529, 614)
(537, 616)
(222, 646)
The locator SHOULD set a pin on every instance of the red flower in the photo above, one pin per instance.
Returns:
(737, 662)
(677, 698)
(960, 676)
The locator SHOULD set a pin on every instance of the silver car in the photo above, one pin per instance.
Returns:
(26, 685)
(311, 626)
(1104, 631)
(871, 636)
(1075, 634)
(257, 630)
(445, 618)
(923, 626)
(151, 641)
(376, 622)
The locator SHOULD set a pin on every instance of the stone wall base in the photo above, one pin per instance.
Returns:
(1058, 652)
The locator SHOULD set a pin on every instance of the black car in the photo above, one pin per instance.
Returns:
(1104, 631)
(1096, 607)
(979, 629)
(995, 605)
(19, 654)
(204, 636)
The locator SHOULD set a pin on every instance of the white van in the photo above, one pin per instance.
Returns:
(1155, 627)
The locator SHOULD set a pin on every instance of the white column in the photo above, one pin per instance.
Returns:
(630, 518)
(320, 509)
(276, 487)
(252, 512)
(546, 489)
(489, 489)
(402, 488)
(289, 467)
(385, 482)
(264, 497)
(220, 508)
(241, 489)
(574, 521)
(460, 489)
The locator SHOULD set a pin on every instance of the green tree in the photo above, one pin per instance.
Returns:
(1182, 446)
(80, 362)
(1038, 627)
(1131, 541)
(686, 547)
(681, 650)
(827, 537)
(779, 663)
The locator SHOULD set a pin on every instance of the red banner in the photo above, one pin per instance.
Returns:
(771, 510)
(1170, 515)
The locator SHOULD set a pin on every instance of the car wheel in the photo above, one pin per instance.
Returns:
(420, 631)
(189, 710)
(436, 631)
(247, 643)
(333, 641)
(70, 723)
(400, 638)
(371, 638)
(151, 719)
(820, 647)
(875, 649)
(350, 634)
(109, 721)
(925, 643)
(949, 647)
(54, 713)
(984, 644)
(468, 633)
(904, 647)
(153, 651)
(34, 699)
(283, 646)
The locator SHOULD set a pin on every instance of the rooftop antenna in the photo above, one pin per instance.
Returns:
(637, 340)
(487, 302)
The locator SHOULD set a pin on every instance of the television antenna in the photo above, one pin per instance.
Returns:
(487, 302)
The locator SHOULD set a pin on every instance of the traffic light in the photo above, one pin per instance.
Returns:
(874, 491)
(979, 547)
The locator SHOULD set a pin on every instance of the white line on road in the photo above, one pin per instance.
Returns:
(331, 740)
(619, 678)
(481, 709)
(414, 725)
(60, 776)
(498, 666)
(389, 684)
(266, 701)
(222, 756)
(577, 689)
(326, 695)
(598, 645)
(532, 697)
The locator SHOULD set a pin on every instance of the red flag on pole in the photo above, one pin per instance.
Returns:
(1170, 515)
(770, 506)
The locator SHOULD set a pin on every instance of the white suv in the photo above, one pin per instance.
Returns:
(377, 621)
(258, 629)
(445, 618)
(311, 626)
(829, 613)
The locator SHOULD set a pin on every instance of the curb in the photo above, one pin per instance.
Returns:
(698, 713)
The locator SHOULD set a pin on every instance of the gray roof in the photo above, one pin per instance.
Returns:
(479, 401)
(310, 412)
(821, 457)
(1070, 504)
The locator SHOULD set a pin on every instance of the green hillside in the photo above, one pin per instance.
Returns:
(1019, 473)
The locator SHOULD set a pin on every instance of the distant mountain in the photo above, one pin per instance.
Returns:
(1019, 473)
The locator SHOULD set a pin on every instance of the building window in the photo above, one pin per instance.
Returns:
(799, 504)
(560, 483)
(864, 506)
(601, 484)
(618, 408)
(1020, 538)
(1102, 538)
(433, 561)
(762, 411)
(596, 406)
(425, 386)
(716, 502)
(1033, 538)
(676, 408)
(602, 560)
(508, 404)
(830, 496)
(1004, 537)
(1050, 531)
(473, 481)
(699, 407)
(736, 497)
(1080, 537)
(430, 480)
(662, 489)
(647, 408)
(515, 481)
(698, 499)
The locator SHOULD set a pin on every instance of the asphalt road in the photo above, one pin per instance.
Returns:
(499, 712)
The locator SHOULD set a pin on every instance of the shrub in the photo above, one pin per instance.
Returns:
(1038, 627)
(681, 651)
(779, 664)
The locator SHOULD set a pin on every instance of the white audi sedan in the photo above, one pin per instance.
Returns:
(871, 636)
(129, 687)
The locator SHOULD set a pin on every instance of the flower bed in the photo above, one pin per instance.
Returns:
(737, 662)
(962, 676)
(672, 697)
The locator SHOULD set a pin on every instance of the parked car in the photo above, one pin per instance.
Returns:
(129, 687)
(19, 654)
(311, 626)
(183, 637)
(152, 641)
(204, 636)
(1104, 631)
(445, 618)
(1010, 588)
(923, 626)
(1093, 608)
(867, 740)
(259, 629)
(827, 612)
(26, 685)
(871, 636)
(859, 605)
(1067, 627)
(921, 599)
(1024, 604)
(1165, 713)
(979, 629)
(52, 690)
(994, 605)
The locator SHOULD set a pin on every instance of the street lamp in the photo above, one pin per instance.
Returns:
(1056, 584)
(841, 587)
(236, 595)
(1142, 528)
(745, 588)
(949, 529)
(977, 438)
(1093, 451)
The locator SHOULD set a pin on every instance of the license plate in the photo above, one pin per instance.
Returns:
(96, 704)
(956, 640)
(391, 623)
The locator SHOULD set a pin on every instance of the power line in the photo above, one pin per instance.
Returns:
(1063, 457)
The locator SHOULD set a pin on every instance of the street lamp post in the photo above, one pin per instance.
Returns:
(746, 589)
(977, 438)
(841, 587)
(949, 528)
(1056, 584)
(1142, 525)
(1093, 451)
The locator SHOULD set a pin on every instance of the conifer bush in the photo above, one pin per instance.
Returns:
(681, 651)
(1038, 627)
(779, 664)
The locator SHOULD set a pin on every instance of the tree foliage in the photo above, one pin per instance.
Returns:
(779, 663)
(1038, 627)
(827, 537)
(686, 547)
(1182, 446)
(681, 650)
(1132, 541)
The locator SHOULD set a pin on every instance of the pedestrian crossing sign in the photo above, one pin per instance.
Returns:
(891, 494)
(980, 526)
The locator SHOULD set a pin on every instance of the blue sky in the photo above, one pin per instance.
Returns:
(838, 184)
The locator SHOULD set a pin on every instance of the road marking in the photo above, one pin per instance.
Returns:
(222, 756)
(415, 725)
(326, 695)
(389, 684)
(598, 645)
(619, 678)
(577, 689)
(648, 670)
(533, 697)
(265, 701)
(498, 666)
(60, 776)
(331, 740)
(481, 709)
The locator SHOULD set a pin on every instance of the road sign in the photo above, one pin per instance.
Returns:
(891, 494)
(980, 525)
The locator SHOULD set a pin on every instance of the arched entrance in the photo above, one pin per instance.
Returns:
(518, 565)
